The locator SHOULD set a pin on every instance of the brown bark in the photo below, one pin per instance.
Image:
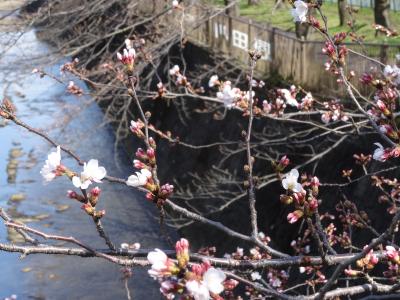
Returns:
(233, 10)
(381, 12)
(343, 13)
(301, 30)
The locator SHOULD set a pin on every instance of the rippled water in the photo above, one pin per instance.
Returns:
(45, 104)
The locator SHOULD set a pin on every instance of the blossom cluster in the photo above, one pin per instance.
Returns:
(92, 172)
(304, 200)
(194, 281)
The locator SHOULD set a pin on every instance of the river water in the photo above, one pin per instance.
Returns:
(76, 122)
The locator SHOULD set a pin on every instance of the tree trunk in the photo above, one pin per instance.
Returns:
(301, 30)
(233, 10)
(381, 12)
(343, 14)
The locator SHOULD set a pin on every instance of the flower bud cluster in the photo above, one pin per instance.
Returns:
(180, 79)
(90, 206)
(146, 163)
(334, 112)
(67, 67)
(127, 57)
(74, 89)
(369, 261)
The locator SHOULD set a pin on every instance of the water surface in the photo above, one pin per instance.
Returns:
(76, 122)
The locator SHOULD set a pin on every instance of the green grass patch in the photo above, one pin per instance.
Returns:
(281, 18)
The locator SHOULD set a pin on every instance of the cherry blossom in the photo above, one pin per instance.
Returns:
(212, 282)
(161, 265)
(140, 179)
(228, 94)
(299, 13)
(128, 55)
(289, 181)
(290, 100)
(175, 3)
(198, 290)
(392, 254)
(213, 81)
(380, 153)
(175, 70)
(392, 72)
(255, 276)
(49, 170)
(92, 172)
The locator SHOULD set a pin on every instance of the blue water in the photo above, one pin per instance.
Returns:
(75, 121)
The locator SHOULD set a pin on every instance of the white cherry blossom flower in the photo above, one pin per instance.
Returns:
(213, 279)
(392, 72)
(213, 81)
(175, 70)
(299, 13)
(289, 181)
(212, 282)
(228, 95)
(139, 179)
(49, 169)
(255, 276)
(379, 153)
(161, 265)
(91, 173)
(290, 100)
(175, 3)
(158, 260)
(198, 290)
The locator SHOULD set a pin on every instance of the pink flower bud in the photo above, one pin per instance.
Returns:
(230, 284)
(366, 78)
(138, 164)
(151, 153)
(140, 153)
(182, 252)
(294, 216)
(315, 181)
(152, 143)
(166, 190)
(150, 196)
(72, 194)
(284, 161)
(392, 254)
(95, 192)
(351, 273)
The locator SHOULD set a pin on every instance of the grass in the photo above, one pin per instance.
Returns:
(282, 18)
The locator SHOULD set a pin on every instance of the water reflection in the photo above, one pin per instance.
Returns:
(43, 103)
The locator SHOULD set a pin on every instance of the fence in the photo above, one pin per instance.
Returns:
(292, 58)
(394, 4)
